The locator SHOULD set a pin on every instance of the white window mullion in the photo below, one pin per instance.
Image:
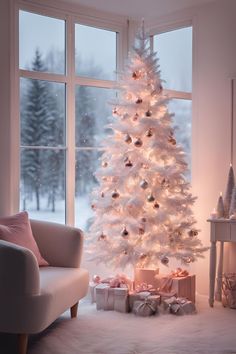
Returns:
(70, 119)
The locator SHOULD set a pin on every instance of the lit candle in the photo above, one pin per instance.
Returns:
(214, 214)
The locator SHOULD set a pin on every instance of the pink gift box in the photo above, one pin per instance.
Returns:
(148, 276)
(179, 286)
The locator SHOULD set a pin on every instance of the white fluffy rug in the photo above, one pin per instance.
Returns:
(210, 331)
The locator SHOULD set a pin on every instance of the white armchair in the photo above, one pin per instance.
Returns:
(32, 297)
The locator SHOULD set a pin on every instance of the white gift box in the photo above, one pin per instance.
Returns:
(121, 301)
(105, 297)
(92, 291)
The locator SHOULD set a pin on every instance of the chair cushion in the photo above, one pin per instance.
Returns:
(16, 229)
(64, 287)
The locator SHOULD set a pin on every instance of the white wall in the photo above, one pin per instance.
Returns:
(214, 62)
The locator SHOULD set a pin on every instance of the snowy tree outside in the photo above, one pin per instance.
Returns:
(43, 171)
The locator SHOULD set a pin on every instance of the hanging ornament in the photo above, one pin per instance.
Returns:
(93, 206)
(139, 100)
(125, 252)
(150, 198)
(143, 219)
(148, 113)
(128, 139)
(156, 205)
(165, 183)
(141, 231)
(187, 260)
(104, 164)
(124, 233)
(102, 195)
(192, 233)
(128, 164)
(135, 117)
(159, 90)
(164, 260)
(143, 184)
(115, 194)
(149, 133)
(138, 142)
(114, 111)
(172, 140)
(136, 74)
(96, 279)
(142, 256)
(102, 237)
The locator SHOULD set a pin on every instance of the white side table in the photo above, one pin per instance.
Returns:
(224, 231)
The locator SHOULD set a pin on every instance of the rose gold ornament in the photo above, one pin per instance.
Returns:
(102, 237)
(149, 133)
(135, 117)
(96, 279)
(156, 206)
(138, 142)
(141, 231)
(148, 113)
(104, 164)
(172, 140)
(193, 233)
(144, 220)
(102, 195)
(128, 164)
(114, 111)
(115, 194)
(124, 233)
(139, 100)
(164, 260)
(128, 139)
(143, 256)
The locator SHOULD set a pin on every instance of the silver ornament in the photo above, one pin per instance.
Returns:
(164, 260)
(150, 198)
(143, 184)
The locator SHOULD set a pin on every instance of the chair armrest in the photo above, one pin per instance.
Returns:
(60, 245)
(19, 271)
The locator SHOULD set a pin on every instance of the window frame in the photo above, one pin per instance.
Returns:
(69, 78)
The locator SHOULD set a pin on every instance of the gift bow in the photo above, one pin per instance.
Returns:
(143, 287)
(119, 281)
(146, 302)
(167, 281)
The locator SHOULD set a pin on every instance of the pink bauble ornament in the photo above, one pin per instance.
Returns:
(96, 279)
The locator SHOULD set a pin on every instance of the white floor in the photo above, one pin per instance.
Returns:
(210, 331)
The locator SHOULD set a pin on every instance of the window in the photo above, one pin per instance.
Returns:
(63, 113)
(174, 50)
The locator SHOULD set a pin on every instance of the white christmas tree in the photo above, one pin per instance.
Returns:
(143, 202)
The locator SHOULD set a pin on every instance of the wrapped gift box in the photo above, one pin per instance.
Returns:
(136, 297)
(121, 301)
(145, 307)
(179, 306)
(105, 297)
(179, 286)
(143, 275)
(185, 287)
(92, 291)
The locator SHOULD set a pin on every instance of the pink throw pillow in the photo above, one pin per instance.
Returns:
(17, 229)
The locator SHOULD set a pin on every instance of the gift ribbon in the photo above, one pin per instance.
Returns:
(168, 280)
(144, 287)
(148, 303)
